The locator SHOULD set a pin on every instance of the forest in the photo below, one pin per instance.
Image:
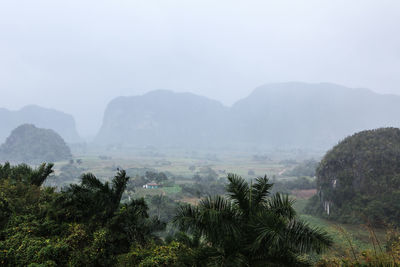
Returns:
(86, 224)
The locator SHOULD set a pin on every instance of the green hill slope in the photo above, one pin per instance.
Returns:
(359, 179)
(29, 144)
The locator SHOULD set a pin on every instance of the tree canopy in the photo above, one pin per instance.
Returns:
(250, 227)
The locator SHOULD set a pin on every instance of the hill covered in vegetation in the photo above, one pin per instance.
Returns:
(62, 123)
(30, 144)
(286, 115)
(359, 179)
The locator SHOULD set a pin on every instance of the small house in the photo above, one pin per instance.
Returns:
(151, 186)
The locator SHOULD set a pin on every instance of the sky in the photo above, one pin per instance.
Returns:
(76, 56)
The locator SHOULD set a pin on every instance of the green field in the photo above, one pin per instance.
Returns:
(345, 236)
(179, 166)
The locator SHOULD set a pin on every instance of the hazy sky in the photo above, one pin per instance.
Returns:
(76, 55)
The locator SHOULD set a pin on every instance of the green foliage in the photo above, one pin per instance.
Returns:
(360, 178)
(250, 227)
(300, 183)
(34, 145)
(172, 254)
(25, 174)
(83, 225)
(156, 176)
(305, 168)
(206, 183)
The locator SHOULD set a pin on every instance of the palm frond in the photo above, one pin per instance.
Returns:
(307, 239)
(214, 217)
(89, 181)
(39, 175)
(238, 191)
(282, 205)
(268, 231)
(186, 218)
(260, 190)
(119, 185)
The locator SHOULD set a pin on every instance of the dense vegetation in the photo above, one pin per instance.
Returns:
(300, 183)
(359, 179)
(305, 168)
(83, 225)
(250, 227)
(86, 224)
(34, 145)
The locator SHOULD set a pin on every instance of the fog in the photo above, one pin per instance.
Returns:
(75, 56)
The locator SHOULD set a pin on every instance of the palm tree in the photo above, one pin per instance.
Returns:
(91, 200)
(250, 227)
(158, 201)
(26, 174)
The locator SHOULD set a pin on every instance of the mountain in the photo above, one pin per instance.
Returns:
(162, 118)
(310, 115)
(62, 123)
(359, 179)
(284, 115)
(30, 144)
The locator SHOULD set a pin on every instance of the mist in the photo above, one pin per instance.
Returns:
(199, 133)
(77, 56)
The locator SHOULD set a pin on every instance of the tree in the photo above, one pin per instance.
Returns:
(25, 174)
(250, 227)
(157, 201)
(92, 201)
(192, 168)
(161, 177)
(83, 225)
(150, 175)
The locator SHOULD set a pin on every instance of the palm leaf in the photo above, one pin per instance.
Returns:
(282, 206)
(307, 239)
(118, 186)
(238, 191)
(89, 181)
(260, 190)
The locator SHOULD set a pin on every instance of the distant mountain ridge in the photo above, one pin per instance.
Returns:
(62, 123)
(284, 115)
(311, 115)
(162, 118)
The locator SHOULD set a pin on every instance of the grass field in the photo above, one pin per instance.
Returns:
(345, 236)
(179, 166)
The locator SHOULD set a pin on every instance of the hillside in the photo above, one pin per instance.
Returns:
(286, 115)
(359, 179)
(29, 144)
(162, 118)
(62, 123)
(306, 115)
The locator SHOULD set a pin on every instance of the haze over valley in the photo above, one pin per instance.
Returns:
(285, 116)
(199, 133)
